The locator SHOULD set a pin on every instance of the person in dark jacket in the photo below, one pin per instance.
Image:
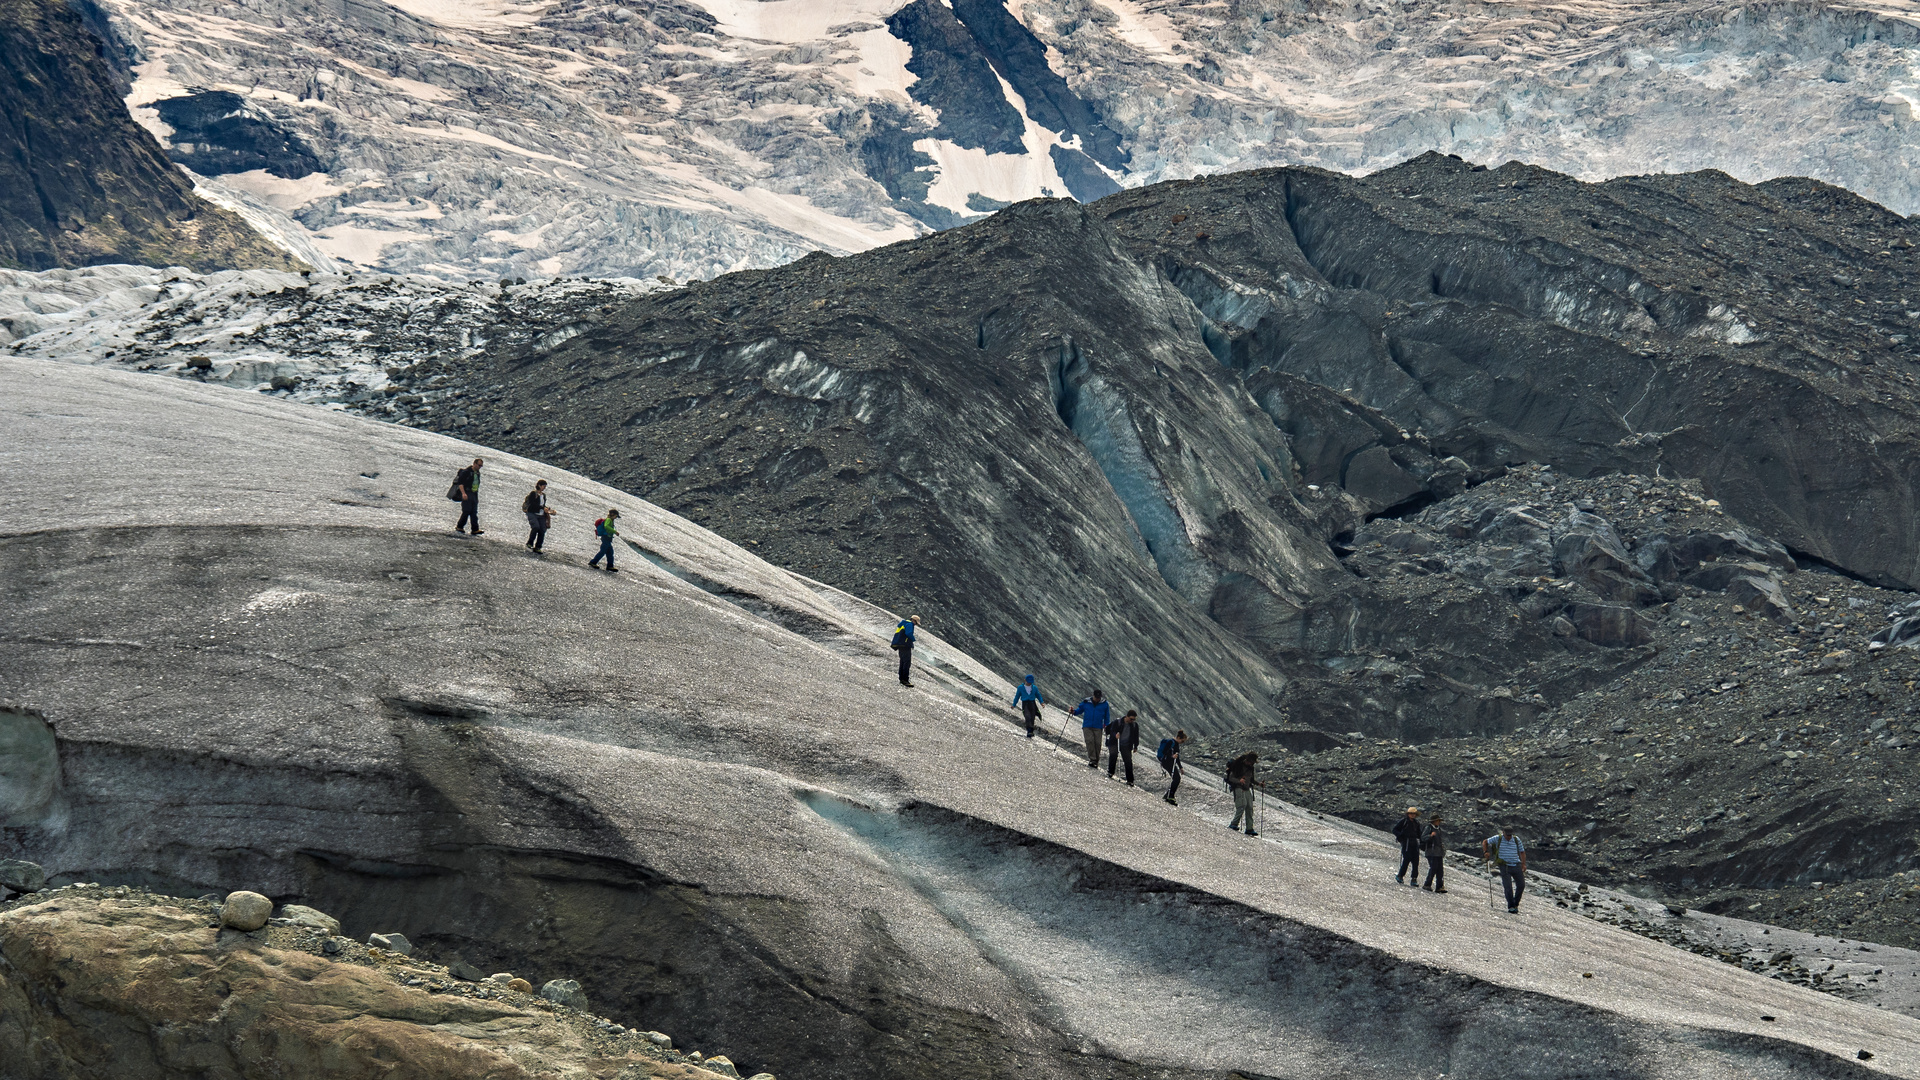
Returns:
(1170, 760)
(1123, 738)
(1094, 714)
(1029, 698)
(466, 484)
(539, 516)
(1434, 845)
(903, 643)
(606, 529)
(1408, 831)
(1240, 781)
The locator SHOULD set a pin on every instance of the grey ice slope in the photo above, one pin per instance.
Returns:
(268, 667)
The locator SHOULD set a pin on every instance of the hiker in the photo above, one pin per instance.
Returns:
(1240, 781)
(903, 641)
(1169, 757)
(1434, 843)
(606, 530)
(1407, 830)
(539, 516)
(1511, 852)
(1029, 698)
(1093, 714)
(1123, 738)
(466, 491)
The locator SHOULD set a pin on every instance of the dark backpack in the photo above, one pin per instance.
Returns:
(530, 504)
(1165, 753)
(901, 641)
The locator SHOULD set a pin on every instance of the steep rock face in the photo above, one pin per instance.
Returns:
(265, 667)
(1755, 338)
(80, 183)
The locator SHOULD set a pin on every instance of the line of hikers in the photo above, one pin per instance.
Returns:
(1505, 849)
(1121, 736)
(466, 492)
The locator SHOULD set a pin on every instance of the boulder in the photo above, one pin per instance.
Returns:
(1717, 576)
(1667, 556)
(21, 876)
(1761, 595)
(520, 986)
(1586, 548)
(300, 915)
(565, 992)
(1611, 625)
(246, 911)
(397, 943)
(659, 1039)
(722, 1064)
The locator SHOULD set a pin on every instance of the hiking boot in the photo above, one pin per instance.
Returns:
(1429, 888)
(478, 532)
(1399, 879)
(1438, 891)
(1250, 832)
(1171, 801)
(1513, 911)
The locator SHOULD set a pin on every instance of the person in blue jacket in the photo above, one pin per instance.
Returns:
(1094, 715)
(903, 643)
(1029, 698)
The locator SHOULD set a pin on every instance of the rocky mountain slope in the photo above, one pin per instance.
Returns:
(607, 778)
(80, 182)
(693, 137)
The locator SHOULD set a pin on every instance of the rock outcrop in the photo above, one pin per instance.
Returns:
(694, 788)
(80, 182)
(111, 982)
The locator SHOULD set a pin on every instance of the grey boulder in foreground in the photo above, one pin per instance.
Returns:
(695, 788)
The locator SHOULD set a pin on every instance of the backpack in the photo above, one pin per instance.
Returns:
(527, 504)
(1165, 754)
(901, 641)
(600, 527)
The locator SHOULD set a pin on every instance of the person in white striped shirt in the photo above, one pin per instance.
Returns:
(1511, 853)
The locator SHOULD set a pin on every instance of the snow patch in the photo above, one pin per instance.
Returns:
(476, 14)
(360, 245)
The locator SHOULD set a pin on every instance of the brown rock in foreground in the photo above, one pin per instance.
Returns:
(96, 984)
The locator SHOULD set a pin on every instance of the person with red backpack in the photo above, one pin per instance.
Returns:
(606, 531)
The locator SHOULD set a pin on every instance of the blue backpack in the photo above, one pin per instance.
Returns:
(1167, 750)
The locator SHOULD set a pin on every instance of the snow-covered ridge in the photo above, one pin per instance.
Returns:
(690, 137)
